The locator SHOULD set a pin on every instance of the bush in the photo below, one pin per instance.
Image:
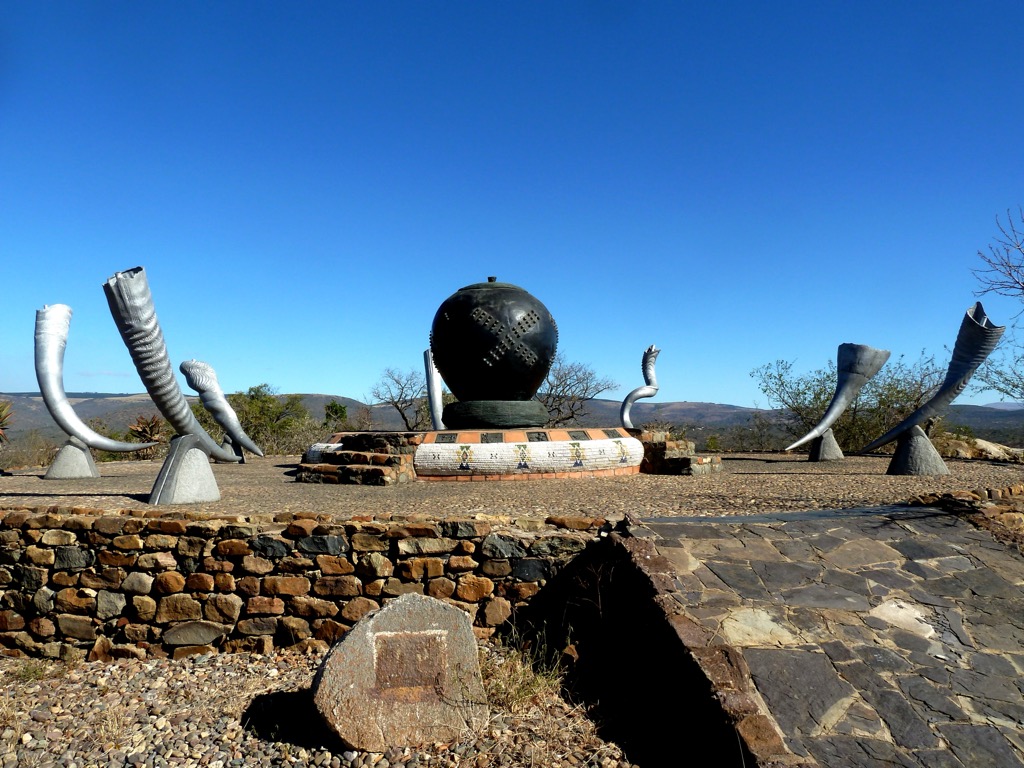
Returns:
(892, 395)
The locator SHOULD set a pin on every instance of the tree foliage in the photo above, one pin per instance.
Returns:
(567, 388)
(892, 395)
(278, 424)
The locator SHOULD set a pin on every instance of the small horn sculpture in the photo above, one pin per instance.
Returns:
(131, 304)
(203, 379)
(975, 342)
(856, 364)
(52, 324)
(650, 388)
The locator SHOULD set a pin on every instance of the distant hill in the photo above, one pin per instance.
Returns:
(993, 422)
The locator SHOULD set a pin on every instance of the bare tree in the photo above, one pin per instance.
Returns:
(405, 392)
(567, 388)
(1003, 273)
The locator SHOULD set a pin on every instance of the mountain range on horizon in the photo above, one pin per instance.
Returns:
(999, 422)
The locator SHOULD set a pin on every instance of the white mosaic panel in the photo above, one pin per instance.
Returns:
(524, 457)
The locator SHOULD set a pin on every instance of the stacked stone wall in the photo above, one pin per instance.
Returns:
(76, 583)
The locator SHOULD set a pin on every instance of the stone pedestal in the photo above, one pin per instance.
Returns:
(73, 462)
(825, 448)
(915, 455)
(186, 476)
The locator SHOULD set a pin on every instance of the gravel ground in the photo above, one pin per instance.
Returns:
(748, 483)
(241, 710)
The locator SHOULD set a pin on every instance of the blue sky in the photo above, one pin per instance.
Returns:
(306, 182)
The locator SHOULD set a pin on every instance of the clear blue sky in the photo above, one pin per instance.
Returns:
(305, 182)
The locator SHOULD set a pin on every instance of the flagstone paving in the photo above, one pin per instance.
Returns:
(884, 636)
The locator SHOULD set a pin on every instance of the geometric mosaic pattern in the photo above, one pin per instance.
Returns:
(477, 453)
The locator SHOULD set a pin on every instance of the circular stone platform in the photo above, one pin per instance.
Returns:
(527, 454)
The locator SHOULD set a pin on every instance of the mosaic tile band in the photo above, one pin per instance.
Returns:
(526, 452)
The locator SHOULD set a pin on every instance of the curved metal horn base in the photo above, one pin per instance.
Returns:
(856, 364)
(131, 305)
(825, 448)
(915, 455)
(186, 476)
(203, 379)
(650, 389)
(52, 325)
(72, 462)
(975, 342)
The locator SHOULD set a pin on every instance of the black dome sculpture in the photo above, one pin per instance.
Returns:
(493, 343)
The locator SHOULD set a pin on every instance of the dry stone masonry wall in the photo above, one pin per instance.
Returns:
(77, 583)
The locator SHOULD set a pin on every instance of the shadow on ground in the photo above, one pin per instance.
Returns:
(292, 718)
(647, 693)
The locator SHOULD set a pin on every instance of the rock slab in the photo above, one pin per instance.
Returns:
(406, 674)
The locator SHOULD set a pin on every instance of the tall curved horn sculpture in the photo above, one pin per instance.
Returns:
(975, 342)
(856, 364)
(131, 304)
(650, 388)
(203, 379)
(434, 391)
(52, 324)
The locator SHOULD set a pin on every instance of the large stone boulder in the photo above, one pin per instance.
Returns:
(406, 674)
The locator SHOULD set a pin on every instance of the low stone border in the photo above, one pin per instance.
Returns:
(141, 583)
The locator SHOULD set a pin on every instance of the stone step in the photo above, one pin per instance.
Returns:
(366, 458)
(355, 474)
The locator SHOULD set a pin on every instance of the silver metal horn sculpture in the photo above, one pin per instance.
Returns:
(186, 476)
(73, 460)
(650, 388)
(203, 379)
(915, 455)
(856, 364)
(434, 391)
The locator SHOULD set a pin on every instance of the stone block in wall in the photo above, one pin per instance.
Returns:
(500, 546)
(419, 568)
(286, 585)
(57, 537)
(264, 605)
(178, 608)
(425, 546)
(338, 586)
(144, 606)
(314, 607)
(440, 588)
(334, 565)
(473, 589)
(557, 546)
(77, 627)
(257, 565)
(271, 547)
(369, 542)
(196, 632)
(73, 558)
(322, 545)
(497, 611)
(258, 625)
(109, 604)
(137, 583)
(396, 587)
(168, 583)
(224, 609)
(43, 556)
(157, 561)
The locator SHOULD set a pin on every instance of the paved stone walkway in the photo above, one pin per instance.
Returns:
(872, 637)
